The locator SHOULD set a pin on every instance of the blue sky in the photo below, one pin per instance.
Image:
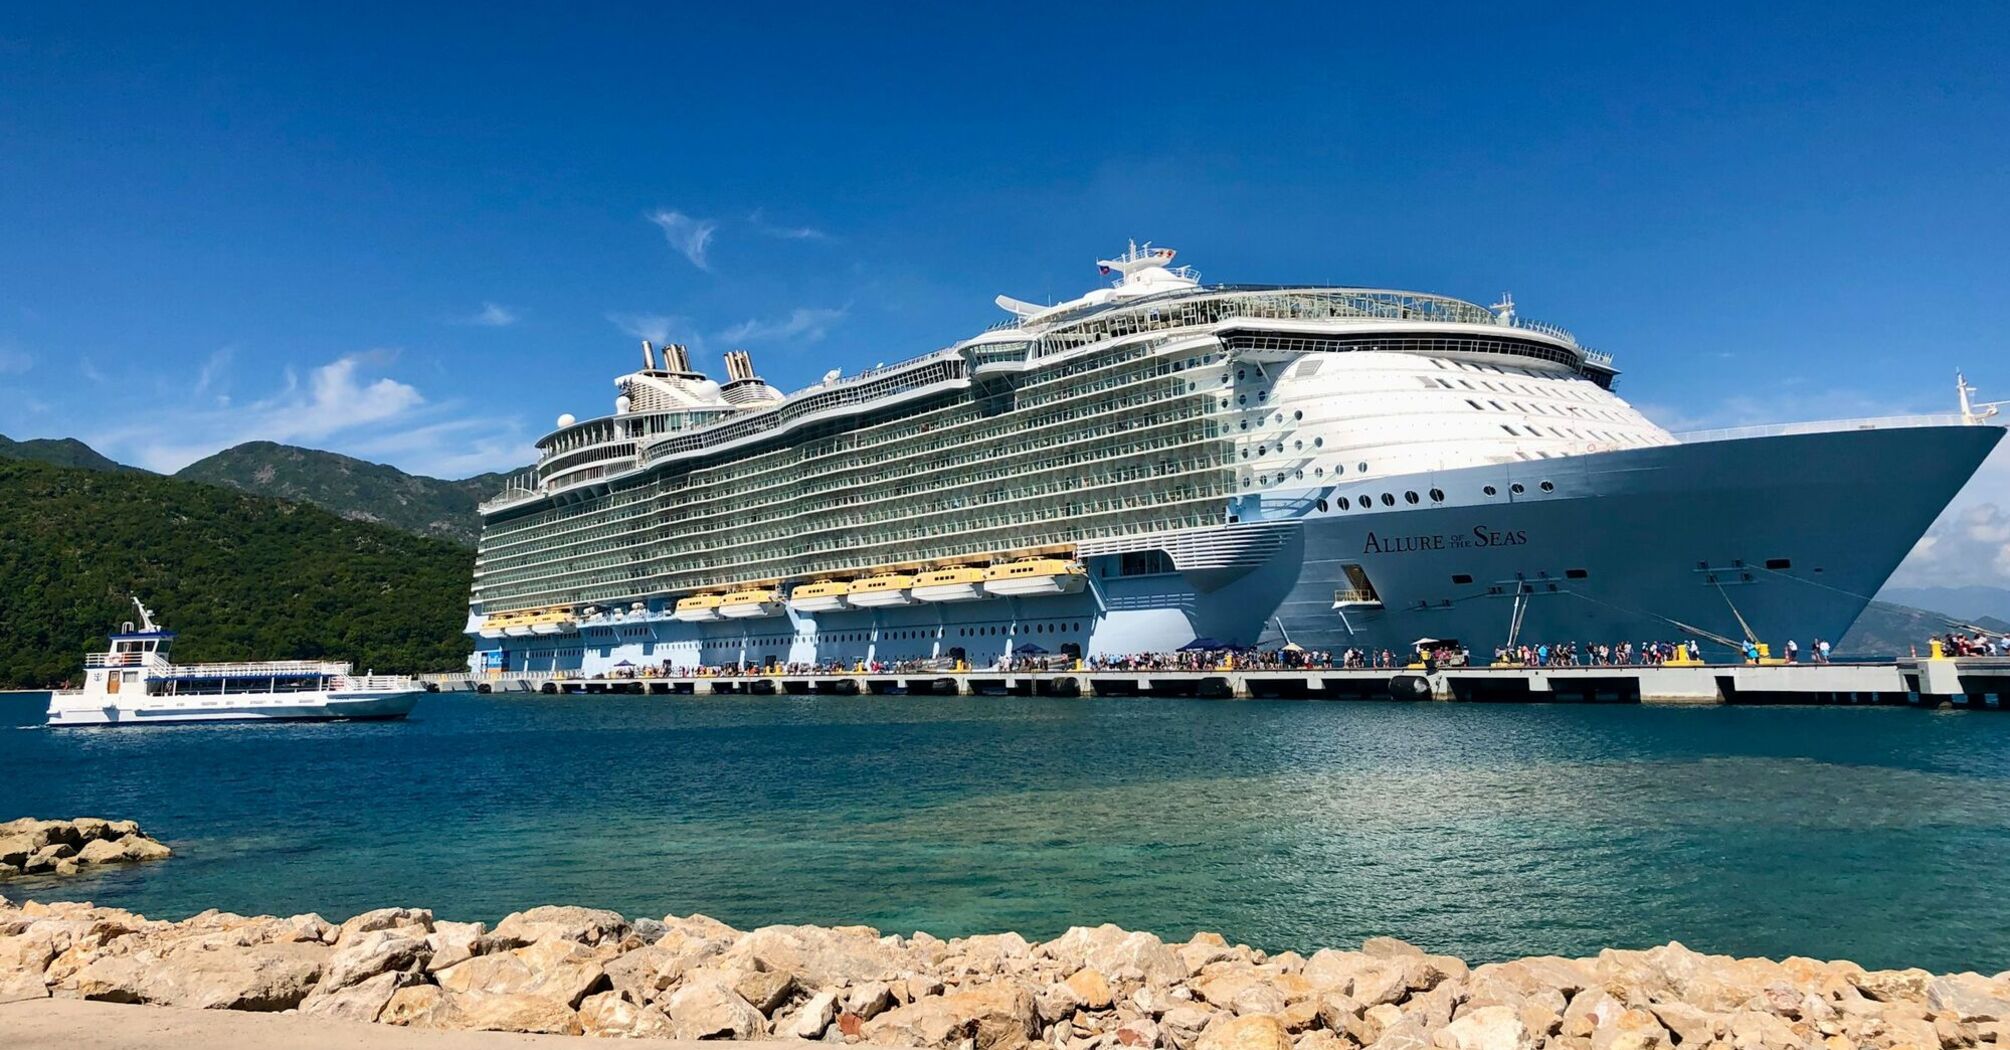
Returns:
(418, 233)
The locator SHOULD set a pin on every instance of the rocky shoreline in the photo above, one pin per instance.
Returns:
(63, 847)
(585, 971)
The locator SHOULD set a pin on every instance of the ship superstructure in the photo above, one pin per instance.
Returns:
(1162, 460)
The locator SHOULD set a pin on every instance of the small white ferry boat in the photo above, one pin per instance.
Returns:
(134, 683)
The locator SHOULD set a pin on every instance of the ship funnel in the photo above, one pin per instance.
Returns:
(648, 357)
(738, 365)
(676, 358)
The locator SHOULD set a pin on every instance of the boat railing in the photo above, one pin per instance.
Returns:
(258, 669)
(515, 490)
(116, 659)
(1822, 426)
(375, 682)
(1551, 330)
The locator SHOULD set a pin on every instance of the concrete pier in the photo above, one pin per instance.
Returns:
(1973, 682)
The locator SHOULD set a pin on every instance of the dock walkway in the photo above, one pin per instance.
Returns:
(1977, 682)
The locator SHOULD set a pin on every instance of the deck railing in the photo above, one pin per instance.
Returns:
(1822, 426)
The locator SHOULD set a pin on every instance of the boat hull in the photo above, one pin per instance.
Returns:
(1035, 586)
(750, 611)
(831, 603)
(950, 592)
(695, 615)
(72, 710)
(881, 599)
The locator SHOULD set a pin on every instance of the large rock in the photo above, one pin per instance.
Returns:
(361, 1001)
(820, 957)
(810, 1019)
(709, 1010)
(1488, 1028)
(995, 1016)
(1117, 954)
(359, 958)
(384, 919)
(1971, 996)
(271, 976)
(453, 942)
(504, 1012)
(587, 926)
(17, 987)
(609, 1014)
(1249, 1032)
(563, 971)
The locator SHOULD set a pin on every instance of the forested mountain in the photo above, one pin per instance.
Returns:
(1886, 629)
(353, 488)
(62, 452)
(240, 576)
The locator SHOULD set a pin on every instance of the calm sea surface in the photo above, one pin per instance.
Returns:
(1487, 831)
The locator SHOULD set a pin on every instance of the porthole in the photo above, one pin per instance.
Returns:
(1344, 505)
(1338, 470)
(1549, 486)
(1242, 399)
(1318, 472)
(1262, 449)
(1322, 506)
(1298, 445)
(1244, 424)
(1490, 490)
(1300, 475)
(1319, 442)
(1388, 499)
(1410, 497)
(1437, 495)
(1245, 453)
(1263, 479)
(1516, 488)
(1362, 467)
(1239, 374)
(1280, 417)
(1298, 413)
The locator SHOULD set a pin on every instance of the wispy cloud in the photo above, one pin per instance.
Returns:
(347, 404)
(491, 315)
(212, 372)
(657, 328)
(691, 237)
(759, 221)
(803, 324)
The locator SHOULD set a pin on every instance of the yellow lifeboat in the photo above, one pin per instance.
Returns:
(494, 624)
(822, 596)
(875, 591)
(741, 605)
(556, 620)
(698, 608)
(960, 584)
(1031, 577)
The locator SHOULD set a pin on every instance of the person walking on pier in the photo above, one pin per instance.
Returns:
(1793, 651)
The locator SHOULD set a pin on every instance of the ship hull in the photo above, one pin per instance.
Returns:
(68, 710)
(1788, 535)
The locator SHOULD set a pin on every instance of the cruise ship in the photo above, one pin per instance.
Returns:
(1162, 461)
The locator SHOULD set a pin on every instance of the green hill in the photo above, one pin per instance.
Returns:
(241, 577)
(353, 488)
(1889, 630)
(61, 452)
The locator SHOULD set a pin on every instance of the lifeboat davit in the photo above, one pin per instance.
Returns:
(741, 605)
(698, 608)
(1031, 577)
(822, 596)
(875, 591)
(491, 629)
(961, 584)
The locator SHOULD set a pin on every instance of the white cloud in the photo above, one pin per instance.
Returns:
(804, 324)
(692, 237)
(657, 328)
(759, 221)
(346, 405)
(14, 361)
(491, 315)
(213, 369)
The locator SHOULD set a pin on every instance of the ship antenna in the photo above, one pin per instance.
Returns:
(146, 618)
(1972, 412)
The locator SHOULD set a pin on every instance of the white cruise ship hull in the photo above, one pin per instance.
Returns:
(75, 709)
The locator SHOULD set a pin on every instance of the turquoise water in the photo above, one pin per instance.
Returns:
(1872, 834)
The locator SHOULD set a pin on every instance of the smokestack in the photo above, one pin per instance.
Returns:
(676, 358)
(648, 357)
(739, 366)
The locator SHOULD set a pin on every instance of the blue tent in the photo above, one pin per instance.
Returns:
(1029, 649)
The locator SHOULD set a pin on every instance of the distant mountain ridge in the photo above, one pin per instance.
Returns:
(353, 488)
(1890, 630)
(1970, 602)
(59, 452)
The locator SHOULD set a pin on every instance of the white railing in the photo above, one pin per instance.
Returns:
(116, 659)
(264, 669)
(1822, 426)
(515, 490)
(1545, 328)
(374, 683)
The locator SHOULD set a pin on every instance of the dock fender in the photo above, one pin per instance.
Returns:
(1410, 687)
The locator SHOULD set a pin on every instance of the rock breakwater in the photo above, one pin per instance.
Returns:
(61, 847)
(584, 971)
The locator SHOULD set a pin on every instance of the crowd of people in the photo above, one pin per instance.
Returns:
(1595, 654)
(1957, 643)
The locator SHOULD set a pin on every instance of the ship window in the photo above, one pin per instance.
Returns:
(1298, 413)
(1779, 563)
(1575, 574)
(1437, 495)
(1461, 578)
(1242, 399)
(1319, 442)
(1362, 467)
(1410, 497)
(1344, 505)
(1475, 404)
(1516, 488)
(1507, 428)
(1388, 500)
(1549, 486)
(1299, 444)
(1322, 506)
(1144, 563)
